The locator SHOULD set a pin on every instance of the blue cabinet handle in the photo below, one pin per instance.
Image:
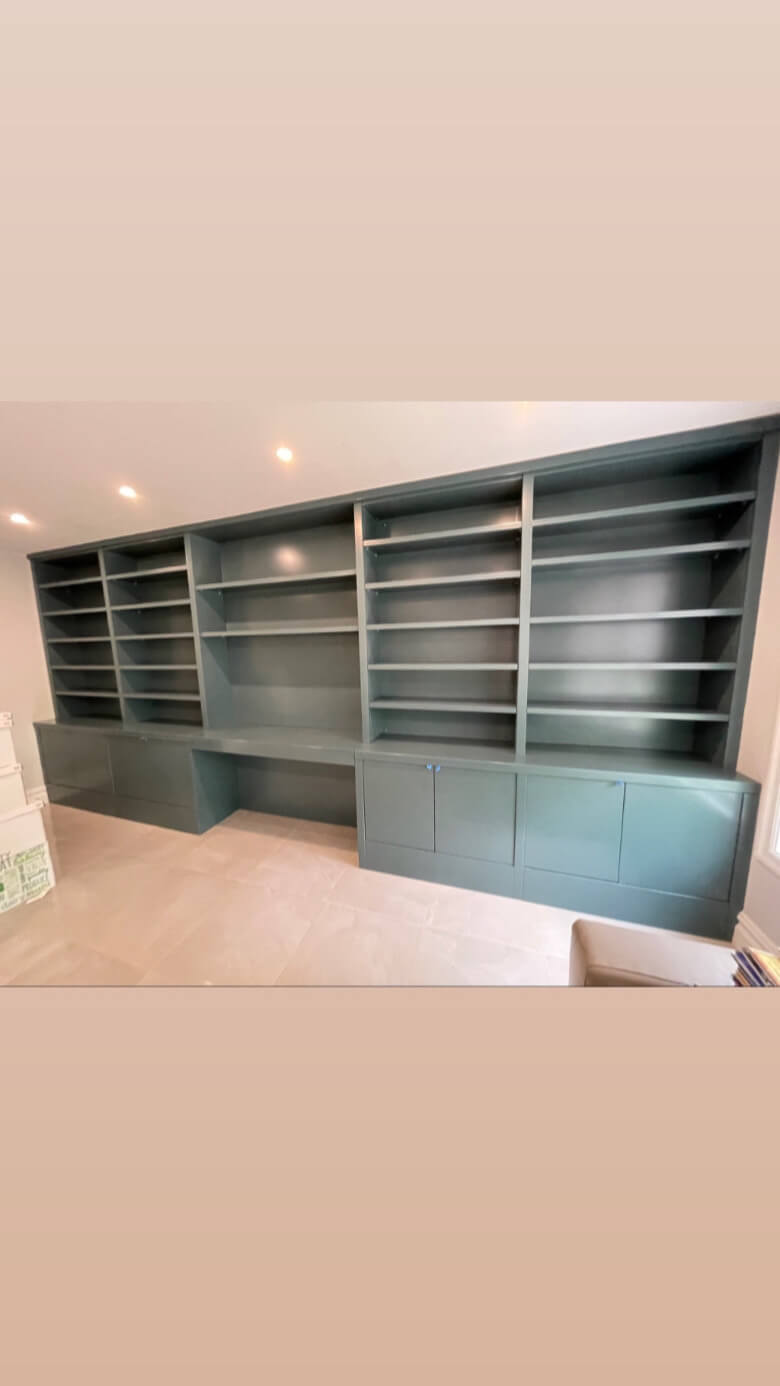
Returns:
(619, 784)
(436, 771)
(429, 766)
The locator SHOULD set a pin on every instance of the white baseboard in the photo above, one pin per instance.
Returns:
(747, 934)
(38, 795)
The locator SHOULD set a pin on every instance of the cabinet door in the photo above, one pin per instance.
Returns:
(75, 759)
(398, 804)
(156, 771)
(680, 840)
(573, 826)
(475, 814)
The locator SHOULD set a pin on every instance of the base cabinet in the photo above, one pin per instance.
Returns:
(146, 780)
(398, 805)
(648, 853)
(680, 840)
(574, 826)
(439, 822)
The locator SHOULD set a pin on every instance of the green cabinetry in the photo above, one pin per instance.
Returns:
(574, 826)
(399, 805)
(536, 673)
(680, 840)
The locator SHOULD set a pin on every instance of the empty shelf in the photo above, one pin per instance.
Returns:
(84, 693)
(628, 664)
(141, 667)
(432, 537)
(279, 581)
(79, 640)
(630, 555)
(147, 572)
(458, 580)
(445, 625)
(75, 611)
(434, 667)
(695, 613)
(155, 697)
(166, 635)
(68, 582)
(660, 508)
(674, 714)
(149, 606)
(497, 752)
(81, 668)
(437, 705)
(283, 628)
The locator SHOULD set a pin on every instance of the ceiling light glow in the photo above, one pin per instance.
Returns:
(128, 492)
(284, 454)
(19, 519)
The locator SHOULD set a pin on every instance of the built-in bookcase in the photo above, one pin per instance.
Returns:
(639, 579)
(600, 606)
(150, 610)
(441, 579)
(74, 617)
(276, 612)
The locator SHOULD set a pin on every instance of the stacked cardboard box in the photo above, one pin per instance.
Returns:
(26, 871)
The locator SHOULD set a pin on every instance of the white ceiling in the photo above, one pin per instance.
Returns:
(61, 464)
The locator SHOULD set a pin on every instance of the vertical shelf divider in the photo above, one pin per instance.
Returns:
(524, 612)
(204, 565)
(195, 613)
(112, 634)
(360, 565)
(762, 509)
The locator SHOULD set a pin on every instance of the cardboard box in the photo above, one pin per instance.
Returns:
(26, 872)
(7, 752)
(12, 795)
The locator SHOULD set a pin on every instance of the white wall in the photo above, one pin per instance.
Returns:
(762, 902)
(24, 684)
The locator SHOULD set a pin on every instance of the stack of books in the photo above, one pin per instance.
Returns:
(756, 969)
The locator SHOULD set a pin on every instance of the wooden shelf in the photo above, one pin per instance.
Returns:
(435, 667)
(432, 538)
(164, 635)
(140, 574)
(628, 665)
(283, 628)
(659, 713)
(79, 640)
(632, 555)
(458, 580)
(688, 506)
(68, 582)
(75, 611)
(287, 580)
(697, 613)
(150, 667)
(445, 625)
(437, 705)
(85, 693)
(153, 697)
(149, 606)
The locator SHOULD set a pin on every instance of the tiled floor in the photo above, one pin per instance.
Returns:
(261, 900)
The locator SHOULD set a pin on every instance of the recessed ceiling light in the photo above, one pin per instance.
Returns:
(128, 493)
(19, 519)
(284, 454)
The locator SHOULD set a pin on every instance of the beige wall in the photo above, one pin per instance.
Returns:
(24, 684)
(762, 902)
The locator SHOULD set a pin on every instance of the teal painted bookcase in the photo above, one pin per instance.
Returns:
(528, 680)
